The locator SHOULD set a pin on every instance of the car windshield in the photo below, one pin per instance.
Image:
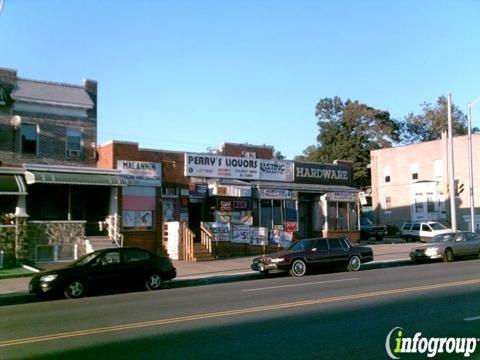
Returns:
(85, 259)
(442, 238)
(302, 245)
(437, 226)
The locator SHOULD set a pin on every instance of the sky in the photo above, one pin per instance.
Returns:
(190, 75)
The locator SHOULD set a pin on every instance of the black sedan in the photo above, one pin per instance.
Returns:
(105, 270)
(308, 254)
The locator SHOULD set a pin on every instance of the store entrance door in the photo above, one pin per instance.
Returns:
(304, 217)
(195, 216)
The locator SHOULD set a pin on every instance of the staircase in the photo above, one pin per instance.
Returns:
(100, 242)
(200, 253)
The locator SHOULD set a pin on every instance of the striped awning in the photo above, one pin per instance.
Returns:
(12, 184)
(46, 177)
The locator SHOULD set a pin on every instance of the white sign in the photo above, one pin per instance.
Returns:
(220, 231)
(258, 236)
(173, 240)
(241, 234)
(202, 165)
(276, 170)
(230, 190)
(141, 172)
(276, 194)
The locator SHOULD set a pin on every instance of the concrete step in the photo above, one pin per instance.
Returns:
(200, 253)
(100, 242)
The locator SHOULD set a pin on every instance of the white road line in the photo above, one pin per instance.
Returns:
(303, 284)
(472, 318)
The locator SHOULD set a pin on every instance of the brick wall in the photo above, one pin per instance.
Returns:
(261, 152)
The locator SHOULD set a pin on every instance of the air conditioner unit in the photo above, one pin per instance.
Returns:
(73, 153)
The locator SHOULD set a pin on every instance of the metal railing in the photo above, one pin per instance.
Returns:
(112, 224)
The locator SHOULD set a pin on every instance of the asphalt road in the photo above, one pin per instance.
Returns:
(325, 316)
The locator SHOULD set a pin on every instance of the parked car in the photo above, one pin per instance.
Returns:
(422, 231)
(448, 247)
(107, 269)
(307, 254)
(368, 230)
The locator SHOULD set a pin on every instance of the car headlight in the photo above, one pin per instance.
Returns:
(277, 260)
(48, 278)
(431, 251)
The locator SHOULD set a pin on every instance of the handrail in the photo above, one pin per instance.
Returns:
(112, 222)
(187, 239)
(206, 238)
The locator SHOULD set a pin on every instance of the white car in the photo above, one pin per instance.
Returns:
(423, 231)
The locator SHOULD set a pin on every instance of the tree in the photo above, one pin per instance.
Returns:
(278, 155)
(433, 120)
(348, 131)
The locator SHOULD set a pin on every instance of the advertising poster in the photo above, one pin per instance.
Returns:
(241, 234)
(220, 231)
(281, 238)
(258, 236)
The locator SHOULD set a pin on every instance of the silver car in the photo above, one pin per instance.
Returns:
(448, 247)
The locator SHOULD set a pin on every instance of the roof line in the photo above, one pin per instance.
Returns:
(52, 83)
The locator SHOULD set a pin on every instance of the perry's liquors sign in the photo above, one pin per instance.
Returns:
(310, 173)
(214, 166)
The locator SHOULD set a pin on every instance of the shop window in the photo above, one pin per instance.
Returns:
(29, 135)
(430, 204)
(138, 208)
(343, 216)
(170, 191)
(74, 143)
(7, 209)
(418, 206)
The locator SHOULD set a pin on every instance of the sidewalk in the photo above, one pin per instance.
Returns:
(186, 271)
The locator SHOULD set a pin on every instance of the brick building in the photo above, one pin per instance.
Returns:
(52, 196)
(45, 122)
(409, 183)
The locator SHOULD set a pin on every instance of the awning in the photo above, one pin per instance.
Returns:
(45, 177)
(11, 184)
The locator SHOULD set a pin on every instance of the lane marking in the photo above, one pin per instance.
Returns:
(303, 284)
(472, 318)
(258, 309)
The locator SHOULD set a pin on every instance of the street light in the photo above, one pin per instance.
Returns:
(470, 167)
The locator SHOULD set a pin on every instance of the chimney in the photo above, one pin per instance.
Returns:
(91, 89)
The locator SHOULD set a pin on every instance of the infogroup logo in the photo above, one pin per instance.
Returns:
(397, 344)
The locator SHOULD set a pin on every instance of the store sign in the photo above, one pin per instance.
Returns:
(340, 196)
(276, 194)
(233, 205)
(309, 173)
(141, 173)
(230, 190)
(214, 166)
(276, 170)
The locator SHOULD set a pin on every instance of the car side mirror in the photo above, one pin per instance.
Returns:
(314, 249)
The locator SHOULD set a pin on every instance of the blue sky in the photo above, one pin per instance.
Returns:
(188, 75)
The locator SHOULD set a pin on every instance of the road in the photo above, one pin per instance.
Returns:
(325, 316)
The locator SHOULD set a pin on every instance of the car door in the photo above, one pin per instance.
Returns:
(460, 246)
(318, 254)
(337, 254)
(473, 243)
(105, 272)
(136, 265)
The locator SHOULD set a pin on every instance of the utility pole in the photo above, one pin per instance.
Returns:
(470, 165)
(451, 180)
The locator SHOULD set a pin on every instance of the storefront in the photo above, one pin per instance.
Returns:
(141, 205)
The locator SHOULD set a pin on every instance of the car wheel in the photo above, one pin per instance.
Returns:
(74, 290)
(354, 263)
(448, 256)
(298, 268)
(154, 282)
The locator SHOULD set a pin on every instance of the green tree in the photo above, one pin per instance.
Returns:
(432, 121)
(348, 131)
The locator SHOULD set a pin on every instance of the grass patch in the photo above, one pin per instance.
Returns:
(14, 272)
